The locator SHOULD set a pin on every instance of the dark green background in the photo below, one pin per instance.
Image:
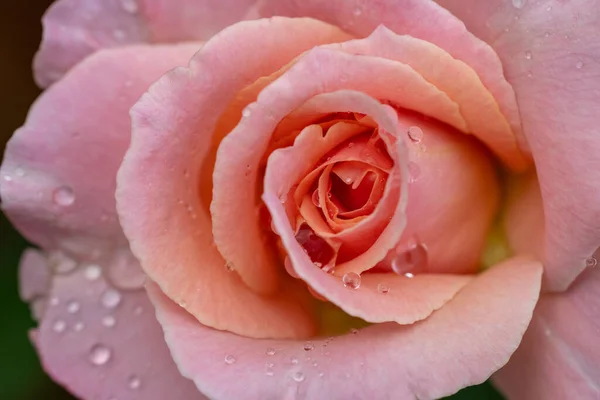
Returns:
(21, 377)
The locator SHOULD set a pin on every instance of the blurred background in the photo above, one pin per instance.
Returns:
(21, 376)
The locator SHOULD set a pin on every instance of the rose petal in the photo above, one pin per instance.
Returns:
(74, 29)
(559, 358)
(549, 52)
(34, 275)
(421, 19)
(170, 232)
(388, 358)
(101, 343)
(53, 203)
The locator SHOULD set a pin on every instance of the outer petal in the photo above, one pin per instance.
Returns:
(82, 122)
(421, 19)
(467, 340)
(559, 356)
(550, 53)
(73, 29)
(101, 343)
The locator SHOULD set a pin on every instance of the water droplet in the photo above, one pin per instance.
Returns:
(60, 263)
(298, 376)
(270, 351)
(351, 280)
(413, 258)
(64, 196)
(109, 321)
(518, 3)
(383, 288)
(308, 346)
(246, 112)
(134, 382)
(230, 266)
(111, 298)
(579, 64)
(100, 354)
(549, 8)
(73, 307)
(7, 178)
(351, 144)
(591, 262)
(20, 172)
(415, 134)
(130, 6)
(138, 310)
(78, 327)
(529, 74)
(92, 272)
(54, 301)
(59, 326)
(269, 369)
(546, 34)
(528, 55)
(229, 359)
(414, 171)
(354, 331)
(348, 180)
(356, 12)
(409, 275)
(294, 360)
(315, 198)
(321, 374)
(315, 364)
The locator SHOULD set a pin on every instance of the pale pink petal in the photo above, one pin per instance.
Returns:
(559, 356)
(160, 208)
(101, 343)
(34, 275)
(74, 29)
(241, 152)
(59, 169)
(421, 19)
(462, 344)
(549, 50)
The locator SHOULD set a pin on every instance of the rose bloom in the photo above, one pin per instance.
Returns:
(313, 199)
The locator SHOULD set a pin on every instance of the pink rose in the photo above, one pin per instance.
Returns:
(345, 158)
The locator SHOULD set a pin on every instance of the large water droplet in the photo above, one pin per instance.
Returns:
(411, 259)
(308, 346)
(270, 351)
(383, 288)
(59, 326)
(110, 298)
(109, 321)
(591, 262)
(130, 6)
(64, 196)
(229, 359)
(73, 307)
(415, 134)
(134, 382)
(92, 272)
(100, 354)
(518, 3)
(298, 376)
(351, 280)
